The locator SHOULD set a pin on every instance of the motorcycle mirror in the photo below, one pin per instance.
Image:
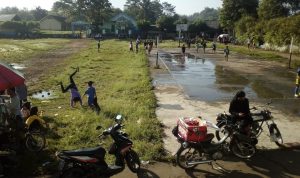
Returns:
(119, 118)
(98, 127)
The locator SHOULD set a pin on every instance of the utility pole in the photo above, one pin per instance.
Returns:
(291, 51)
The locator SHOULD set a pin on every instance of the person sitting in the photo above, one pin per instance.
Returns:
(239, 109)
(34, 122)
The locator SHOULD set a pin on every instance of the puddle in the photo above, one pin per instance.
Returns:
(44, 95)
(202, 80)
(17, 66)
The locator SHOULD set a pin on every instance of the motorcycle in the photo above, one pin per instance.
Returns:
(226, 123)
(90, 162)
(192, 153)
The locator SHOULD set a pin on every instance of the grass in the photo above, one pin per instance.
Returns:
(54, 32)
(123, 86)
(20, 50)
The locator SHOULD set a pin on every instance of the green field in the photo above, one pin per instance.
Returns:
(123, 86)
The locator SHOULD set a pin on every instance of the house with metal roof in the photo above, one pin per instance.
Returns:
(9, 17)
(53, 22)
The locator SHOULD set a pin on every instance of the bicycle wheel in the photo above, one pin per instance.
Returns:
(275, 134)
(35, 141)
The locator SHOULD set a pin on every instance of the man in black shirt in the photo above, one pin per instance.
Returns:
(239, 109)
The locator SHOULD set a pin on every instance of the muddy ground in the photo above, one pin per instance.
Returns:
(173, 103)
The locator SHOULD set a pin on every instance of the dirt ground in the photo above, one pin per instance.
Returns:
(40, 65)
(173, 103)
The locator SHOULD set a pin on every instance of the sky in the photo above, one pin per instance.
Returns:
(183, 7)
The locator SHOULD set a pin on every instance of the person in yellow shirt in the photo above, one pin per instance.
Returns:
(297, 83)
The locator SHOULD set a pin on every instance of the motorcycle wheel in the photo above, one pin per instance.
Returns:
(220, 133)
(35, 141)
(243, 150)
(185, 155)
(275, 134)
(73, 172)
(133, 161)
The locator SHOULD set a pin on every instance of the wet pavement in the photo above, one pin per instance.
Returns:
(205, 79)
(202, 79)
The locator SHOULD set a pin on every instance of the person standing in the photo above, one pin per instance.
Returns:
(92, 97)
(130, 46)
(98, 45)
(226, 52)
(137, 42)
(204, 45)
(248, 42)
(214, 47)
(21, 91)
(297, 83)
(183, 49)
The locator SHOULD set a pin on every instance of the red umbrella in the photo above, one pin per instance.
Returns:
(9, 77)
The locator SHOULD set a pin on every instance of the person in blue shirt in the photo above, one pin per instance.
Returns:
(92, 97)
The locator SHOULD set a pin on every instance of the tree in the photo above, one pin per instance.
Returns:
(39, 13)
(233, 10)
(144, 26)
(96, 11)
(206, 14)
(167, 23)
(269, 9)
(168, 9)
(197, 26)
(148, 10)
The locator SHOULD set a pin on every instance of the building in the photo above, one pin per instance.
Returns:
(53, 22)
(8, 25)
(120, 25)
(9, 17)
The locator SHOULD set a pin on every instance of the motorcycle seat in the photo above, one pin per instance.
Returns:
(85, 151)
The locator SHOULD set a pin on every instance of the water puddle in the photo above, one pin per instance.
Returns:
(44, 95)
(203, 80)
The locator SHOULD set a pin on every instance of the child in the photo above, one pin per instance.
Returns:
(214, 47)
(226, 53)
(297, 83)
(130, 46)
(75, 96)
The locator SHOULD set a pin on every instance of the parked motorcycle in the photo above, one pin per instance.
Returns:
(90, 162)
(193, 153)
(226, 122)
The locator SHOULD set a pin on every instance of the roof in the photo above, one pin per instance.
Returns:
(9, 17)
(124, 16)
(56, 17)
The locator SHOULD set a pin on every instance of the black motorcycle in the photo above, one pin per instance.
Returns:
(191, 154)
(228, 123)
(90, 162)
